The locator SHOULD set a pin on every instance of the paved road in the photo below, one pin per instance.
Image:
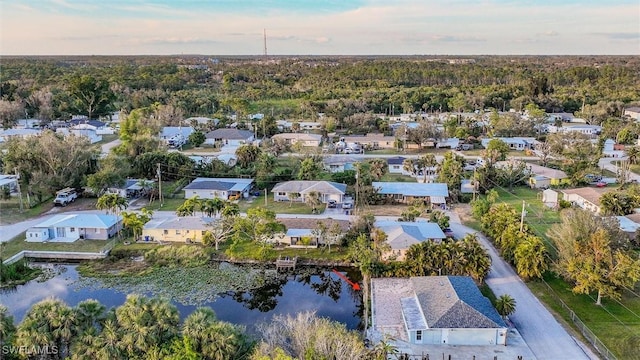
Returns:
(607, 164)
(539, 329)
(110, 145)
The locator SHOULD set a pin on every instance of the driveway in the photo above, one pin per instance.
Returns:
(607, 164)
(546, 338)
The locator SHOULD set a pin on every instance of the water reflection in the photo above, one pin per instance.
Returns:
(309, 290)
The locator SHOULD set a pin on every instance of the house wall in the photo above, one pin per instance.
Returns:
(206, 194)
(284, 196)
(479, 336)
(539, 183)
(174, 235)
(582, 203)
(37, 235)
(99, 234)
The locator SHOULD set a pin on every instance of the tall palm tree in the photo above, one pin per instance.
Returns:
(230, 210)
(505, 305)
(427, 161)
(312, 199)
(112, 203)
(409, 166)
(633, 153)
(378, 168)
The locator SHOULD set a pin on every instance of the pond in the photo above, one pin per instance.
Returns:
(308, 289)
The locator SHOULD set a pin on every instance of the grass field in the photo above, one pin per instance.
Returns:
(398, 178)
(279, 207)
(18, 244)
(10, 209)
(612, 321)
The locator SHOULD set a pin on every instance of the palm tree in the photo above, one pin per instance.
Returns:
(89, 313)
(313, 200)
(633, 153)
(425, 162)
(7, 329)
(378, 168)
(112, 203)
(292, 196)
(212, 207)
(531, 257)
(230, 210)
(409, 166)
(505, 305)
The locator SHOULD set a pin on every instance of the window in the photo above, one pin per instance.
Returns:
(419, 335)
(177, 232)
(166, 232)
(72, 229)
(396, 167)
(282, 193)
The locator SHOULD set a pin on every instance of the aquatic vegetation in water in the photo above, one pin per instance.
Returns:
(189, 286)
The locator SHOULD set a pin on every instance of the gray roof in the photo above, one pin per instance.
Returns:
(305, 186)
(454, 302)
(179, 223)
(229, 134)
(398, 160)
(209, 185)
(401, 234)
(171, 131)
(412, 189)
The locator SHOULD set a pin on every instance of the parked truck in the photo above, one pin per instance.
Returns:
(65, 197)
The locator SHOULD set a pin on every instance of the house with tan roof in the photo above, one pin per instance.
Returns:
(401, 235)
(305, 232)
(184, 229)
(228, 137)
(311, 140)
(544, 177)
(435, 310)
(372, 141)
(297, 190)
(587, 198)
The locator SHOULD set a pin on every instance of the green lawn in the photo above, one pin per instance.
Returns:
(398, 178)
(279, 207)
(10, 210)
(168, 204)
(107, 139)
(18, 244)
(611, 322)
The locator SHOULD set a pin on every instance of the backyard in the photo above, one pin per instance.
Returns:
(10, 248)
(279, 207)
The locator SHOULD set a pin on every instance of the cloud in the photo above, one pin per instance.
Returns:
(548, 33)
(619, 35)
(175, 40)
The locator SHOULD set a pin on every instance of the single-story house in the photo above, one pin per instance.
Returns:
(201, 121)
(587, 198)
(132, 188)
(312, 140)
(339, 163)
(449, 143)
(328, 190)
(9, 181)
(28, 124)
(95, 124)
(221, 188)
(585, 129)
(514, 143)
(5, 135)
(630, 224)
(176, 136)
(396, 165)
(303, 233)
(402, 234)
(611, 149)
(287, 125)
(632, 112)
(544, 177)
(435, 193)
(177, 229)
(229, 137)
(435, 310)
(373, 141)
(467, 186)
(83, 130)
(71, 227)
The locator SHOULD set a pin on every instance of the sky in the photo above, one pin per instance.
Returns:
(320, 27)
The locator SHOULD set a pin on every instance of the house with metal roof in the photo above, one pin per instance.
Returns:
(312, 140)
(396, 165)
(514, 143)
(435, 310)
(72, 227)
(229, 137)
(303, 232)
(339, 163)
(297, 190)
(221, 188)
(132, 188)
(184, 229)
(401, 235)
(435, 193)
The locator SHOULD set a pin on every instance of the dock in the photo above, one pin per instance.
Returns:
(286, 263)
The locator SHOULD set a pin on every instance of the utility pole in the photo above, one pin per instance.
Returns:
(522, 216)
(266, 195)
(18, 186)
(159, 184)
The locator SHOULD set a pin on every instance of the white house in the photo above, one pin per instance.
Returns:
(587, 198)
(175, 136)
(610, 149)
(221, 188)
(372, 141)
(328, 190)
(396, 165)
(435, 193)
(632, 112)
(311, 140)
(287, 125)
(590, 130)
(9, 181)
(401, 235)
(5, 135)
(303, 232)
(71, 227)
(229, 137)
(435, 310)
(84, 130)
(339, 163)
(514, 143)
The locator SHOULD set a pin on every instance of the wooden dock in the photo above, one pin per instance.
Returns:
(286, 263)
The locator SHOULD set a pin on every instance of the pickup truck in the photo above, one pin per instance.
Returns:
(65, 197)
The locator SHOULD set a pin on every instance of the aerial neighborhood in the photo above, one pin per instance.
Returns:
(459, 216)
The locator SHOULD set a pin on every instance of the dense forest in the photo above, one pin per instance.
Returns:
(287, 87)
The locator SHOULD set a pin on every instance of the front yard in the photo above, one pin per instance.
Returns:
(279, 207)
(18, 244)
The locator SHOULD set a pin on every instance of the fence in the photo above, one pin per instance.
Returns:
(586, 332)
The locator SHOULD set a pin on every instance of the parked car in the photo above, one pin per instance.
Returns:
(347, 205)
(332, 204)
(448, 232)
